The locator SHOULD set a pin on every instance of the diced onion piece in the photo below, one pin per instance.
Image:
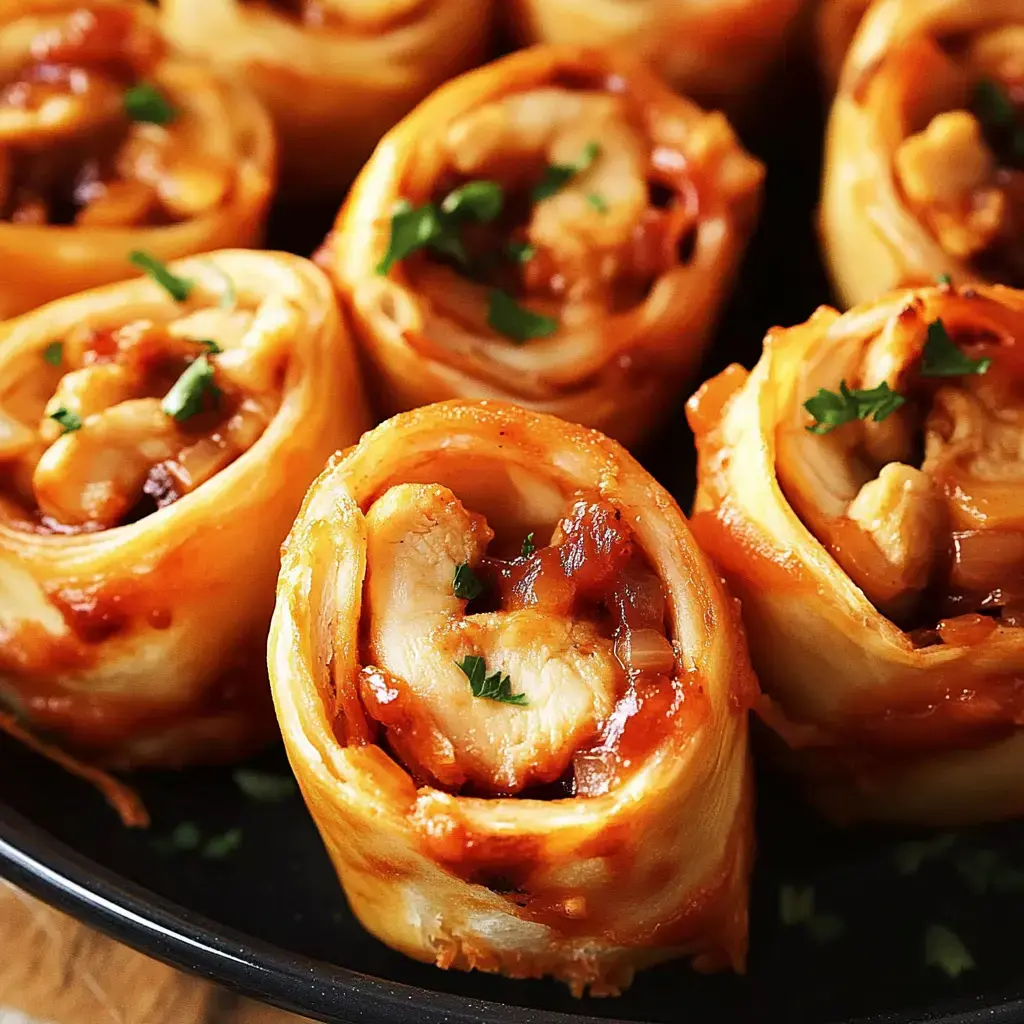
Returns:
(645, 650)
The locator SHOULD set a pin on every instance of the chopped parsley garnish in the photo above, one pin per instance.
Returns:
(187, 396)
(944, 949)
(557, 176)
(598, 202)
(210, 345)
(941, 358)
(54, 353)
(466, 584)
(796, 907)
(832, 409)
(494, 687)
(507, 317)
(186, 836)
(909, 856)
(439, 228)
(528, 546)
(145, 102)
(944, 280)
(995, 110)
(69, 421)
(179, 288)
(520, 252)
(218, 847)
(264, 787)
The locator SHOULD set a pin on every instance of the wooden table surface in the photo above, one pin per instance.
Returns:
(54, 970)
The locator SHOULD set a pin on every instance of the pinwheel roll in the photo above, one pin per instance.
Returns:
(155, 443)
(716, 52)
(862, 488)
(515, 697)
(335, 74)
(557, 229)
(924, 165)
(108, 145)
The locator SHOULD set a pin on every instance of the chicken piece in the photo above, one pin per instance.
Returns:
(903, 514)
(945, 162)
(93, 476)
(84, 392)
(419, 633)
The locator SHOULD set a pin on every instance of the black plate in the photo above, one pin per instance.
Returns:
(269, 919)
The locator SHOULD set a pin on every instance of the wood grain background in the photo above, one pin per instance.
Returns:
(54, 970)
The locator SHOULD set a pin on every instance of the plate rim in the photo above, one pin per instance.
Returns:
(47, 868)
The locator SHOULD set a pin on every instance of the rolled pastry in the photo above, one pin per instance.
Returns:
(153, 454)
(335, 74)
(862, 490)
(715, 51)
(924, 162)
(515, 698)
(557, 229)
(109, 145)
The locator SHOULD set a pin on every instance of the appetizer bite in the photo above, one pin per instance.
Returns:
(558, 229)
(717, 51)
(924, 163)
(156, 438)
(515, 697)
(862, 490)
(335, 74)
(107, 144)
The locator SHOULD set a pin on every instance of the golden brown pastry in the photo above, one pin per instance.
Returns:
(335, 74)
(108, 145)
(557, 229)
(515, 697)
(155, 443)
(924, 164)
(715, 51)
(862, 489)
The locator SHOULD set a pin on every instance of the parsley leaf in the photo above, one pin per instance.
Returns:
(831, 409)
(944, 280)
(210, 345)
(264, 787)
(520, 252)
(911, 855)
(218, 847)
(145, 102)
(944, 949)
(186, 836)
(796, 904)
(598, 202)
(428, 226)
(997, 113)
(557, 176)
(188, 393)
(54, 353)
(507, 317)
(466, 584)
(179, 288)
(494, 687)
(985, 871)
(941, 358)
(68, 420)
(528, 546)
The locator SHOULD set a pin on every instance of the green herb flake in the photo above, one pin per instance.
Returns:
(909, 856)
(219, 847)
(557, 176)
(477, 200)
(598, 202)
(495, 687)
(528, 547)
(941, 358)
(210, 345)
(944, 949)
(189, 392)
(179, 288)
(186, 836)
(264, 787)
(993, 105)
(944, 280)
(832, 409)
(520, 252)
(54, 353)
(984, 871)
(145, 102)
(516, 322)
(796, 904)
(466, 584)
(411, 229)
(69, 421)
